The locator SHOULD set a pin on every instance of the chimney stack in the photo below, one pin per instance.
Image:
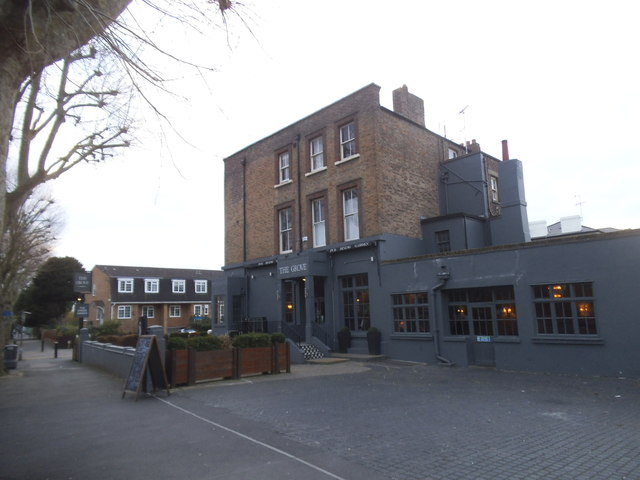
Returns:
(408, 105)
(505, 151)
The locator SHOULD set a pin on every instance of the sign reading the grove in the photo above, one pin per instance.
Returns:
(294, 268)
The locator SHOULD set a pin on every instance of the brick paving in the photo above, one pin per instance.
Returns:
(434, 423)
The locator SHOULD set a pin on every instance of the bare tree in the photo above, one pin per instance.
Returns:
(37, 33)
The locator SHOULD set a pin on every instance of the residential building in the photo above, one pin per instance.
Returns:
(359, 216)
(170, 297)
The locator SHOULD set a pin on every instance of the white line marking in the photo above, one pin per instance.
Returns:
(246, 437)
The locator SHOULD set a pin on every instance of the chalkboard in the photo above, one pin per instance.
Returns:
(147, 357)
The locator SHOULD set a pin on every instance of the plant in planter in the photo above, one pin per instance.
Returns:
(374, 338)
(344, 339)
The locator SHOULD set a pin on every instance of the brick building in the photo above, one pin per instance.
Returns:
(358, 216)
(169, 297)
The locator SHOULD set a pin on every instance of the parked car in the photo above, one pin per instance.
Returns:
(187, 330)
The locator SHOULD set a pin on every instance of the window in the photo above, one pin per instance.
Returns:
(347, 140)
(178, 286)
(197, 310)
(125, 285)
(350, 209)
(284, 168)
(218, 314)
(148, 311)
(286, 230)
(174, 311)
(411, 312)
(485, 311)
(565, 309)
(452, 153)
(318, 220)
(124, 312)
(442, 241)
(355, 302)
(316, 152)
(201, 286)
(493, 185)
(151, 285)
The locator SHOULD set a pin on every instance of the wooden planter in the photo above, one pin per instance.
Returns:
(177, 367)
(210, 365)
(252, 361)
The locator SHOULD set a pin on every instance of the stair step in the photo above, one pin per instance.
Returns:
(311, 352)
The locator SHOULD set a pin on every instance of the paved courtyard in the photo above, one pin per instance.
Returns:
(351, 420)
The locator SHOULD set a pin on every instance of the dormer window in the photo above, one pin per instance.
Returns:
(125, 285)
(178, 286)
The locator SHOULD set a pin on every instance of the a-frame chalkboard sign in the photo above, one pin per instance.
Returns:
(146, 358)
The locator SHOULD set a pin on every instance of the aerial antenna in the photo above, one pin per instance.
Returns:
(464, 127)
(579, 203)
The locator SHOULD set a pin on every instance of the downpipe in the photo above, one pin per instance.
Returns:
(443, 276)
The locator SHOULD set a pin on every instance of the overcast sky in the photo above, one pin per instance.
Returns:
(557, 79)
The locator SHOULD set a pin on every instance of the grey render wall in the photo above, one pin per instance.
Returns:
(610, 261)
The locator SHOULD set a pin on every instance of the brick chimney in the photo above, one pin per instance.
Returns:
(408, 105)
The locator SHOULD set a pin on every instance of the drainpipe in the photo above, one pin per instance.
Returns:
(443, 276)
(299, 193)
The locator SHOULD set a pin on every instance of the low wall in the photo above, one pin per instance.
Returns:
(115, 360)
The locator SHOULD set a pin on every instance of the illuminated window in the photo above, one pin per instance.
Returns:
(355, 301)
(486, 311)
(411, 312)
(565, 309)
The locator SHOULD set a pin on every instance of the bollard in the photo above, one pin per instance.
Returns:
(42, 345)
(55, 350)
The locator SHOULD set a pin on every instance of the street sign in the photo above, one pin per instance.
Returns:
(82, 310)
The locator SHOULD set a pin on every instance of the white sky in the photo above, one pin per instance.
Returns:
(558, 79)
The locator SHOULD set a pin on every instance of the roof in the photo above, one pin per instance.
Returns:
(158, 272)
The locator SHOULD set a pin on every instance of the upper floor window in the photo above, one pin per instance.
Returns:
(284, 167)
(347, 140)
(350, 209)
(442, 241)
(201, 286)
(493, 185)
(285, 219)
(565, 309)
(197, 310)
(125, 285)
(151, 285)
(318, 220)
(316, 151)
(178, 286)
(452, 153)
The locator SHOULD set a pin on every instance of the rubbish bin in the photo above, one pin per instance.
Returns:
(10, 356)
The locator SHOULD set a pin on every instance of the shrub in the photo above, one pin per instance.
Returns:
(202, 344)
(109, 327)
(278, 337)
(226, 342)
(252, 340)
(176, 342)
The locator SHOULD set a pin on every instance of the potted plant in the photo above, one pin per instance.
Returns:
(374, 338)
(344, 339)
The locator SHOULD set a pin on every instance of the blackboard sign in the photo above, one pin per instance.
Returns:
(146, 358)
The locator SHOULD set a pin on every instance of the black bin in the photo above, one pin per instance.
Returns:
(10, 356)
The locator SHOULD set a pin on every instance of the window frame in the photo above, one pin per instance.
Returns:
(125, 284)
(178, 285)
(284, 171)
(557, 310)
(353, 152)
(285, 231)
(148, 282)
(493, 188)
(406, 310)
(349, 216)
(443, 245)
(315, 223)
(218, 312)
(122, 312)
(483, 311)
(148, 311)
(315, 155)
(175, 311)
(356, 311)
(197, 283)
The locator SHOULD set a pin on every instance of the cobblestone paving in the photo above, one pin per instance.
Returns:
(433, 423)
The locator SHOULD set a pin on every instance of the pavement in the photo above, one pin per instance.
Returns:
(354, 420)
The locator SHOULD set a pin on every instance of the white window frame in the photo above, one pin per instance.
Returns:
(316, 153)
(200, 286)
(452, 153)
(124, 312)
(149, 311)
(348, 141)
(125, 285)
(493, 184)
(285, 228)
(319, 222)
(197, 310)
(351, 221)
(151, 285)
(284, 167)
(178, 286)
(175, 311)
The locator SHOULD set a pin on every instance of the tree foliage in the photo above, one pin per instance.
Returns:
(51, 293)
